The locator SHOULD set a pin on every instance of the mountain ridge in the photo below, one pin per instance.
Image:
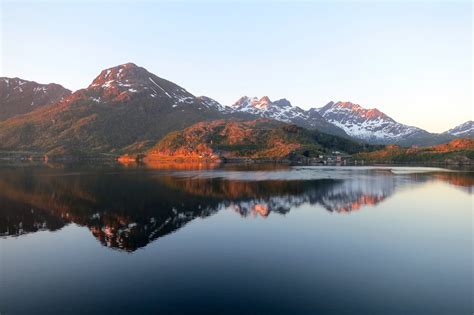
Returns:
(463, 130)
(283, 110)
(374, 126)
(19, 96)
(343, 119)
(247, 139)
(126, 109)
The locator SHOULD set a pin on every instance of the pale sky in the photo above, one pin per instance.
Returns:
(411, 60)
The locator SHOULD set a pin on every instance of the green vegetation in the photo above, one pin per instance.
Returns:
(459, 151)
(342, 144)
(255, 139)
(86, 127)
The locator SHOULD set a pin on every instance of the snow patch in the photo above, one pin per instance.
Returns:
(108, 84)
(159, 87)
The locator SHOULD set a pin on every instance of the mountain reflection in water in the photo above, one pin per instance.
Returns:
(128, 209)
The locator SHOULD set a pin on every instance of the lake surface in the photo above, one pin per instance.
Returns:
(235, 240)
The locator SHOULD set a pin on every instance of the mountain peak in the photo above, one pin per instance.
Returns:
(120, 74)
(211, 103)
(246, 102)
(261, 103)
(128, 65)
(366, 124)
(348, 105)
(283, 110)
(18, 96)
(282, 103)
(463, 130)
(371, 113)
(123, 81)
(242, 101)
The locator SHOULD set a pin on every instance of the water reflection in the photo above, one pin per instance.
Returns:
(128, 209)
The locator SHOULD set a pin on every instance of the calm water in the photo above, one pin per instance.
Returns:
(235, 240)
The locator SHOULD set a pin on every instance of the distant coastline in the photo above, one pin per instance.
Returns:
(156, 163)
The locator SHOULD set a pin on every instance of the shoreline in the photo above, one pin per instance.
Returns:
(190, 163)
(139, 159)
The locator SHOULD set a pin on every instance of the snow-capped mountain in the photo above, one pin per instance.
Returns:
(18, 96)
(129, 100)
(127, 81)
(366, 124)
(373, 126)
(343, 119)
(465, 130)
(283, 110)
(124, 108)
(280, 110)
(211, 103)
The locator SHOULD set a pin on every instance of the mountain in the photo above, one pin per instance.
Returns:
(211, 103)
(241, 139)
(18, 96)
(373, 126)
(458, 151)
(465, 130)
(125, 108)
(283, 110)
(343, 119)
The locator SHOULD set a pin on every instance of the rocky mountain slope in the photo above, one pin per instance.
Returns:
(373, 126)
(256, 139)
(343, 119)
(465, 130)
(124, 109)
(127, 109)
(19, 96)
(283, 110)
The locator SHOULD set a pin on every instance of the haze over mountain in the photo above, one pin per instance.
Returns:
(19, 96)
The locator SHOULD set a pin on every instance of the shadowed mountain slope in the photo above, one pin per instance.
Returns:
(125, 109)
(19, 96)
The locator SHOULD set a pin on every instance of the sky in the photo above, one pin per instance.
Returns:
(412, 60)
